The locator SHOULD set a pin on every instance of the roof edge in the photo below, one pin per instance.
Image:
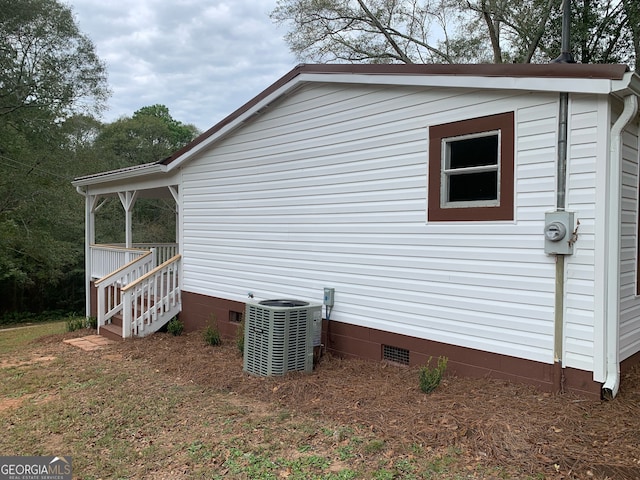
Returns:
(558, 70)
(513, 70)
(111, 175)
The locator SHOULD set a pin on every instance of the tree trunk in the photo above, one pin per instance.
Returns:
(632, 11)
(494, 33)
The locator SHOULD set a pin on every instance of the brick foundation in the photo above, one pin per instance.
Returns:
(362, 342)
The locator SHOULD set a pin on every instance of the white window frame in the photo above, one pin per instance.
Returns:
(447, 172)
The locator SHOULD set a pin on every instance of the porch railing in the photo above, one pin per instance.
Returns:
(107, 258)
(110, 286)
(164, 251)
(152, 300)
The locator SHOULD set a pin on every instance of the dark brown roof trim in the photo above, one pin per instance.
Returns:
(547, 70)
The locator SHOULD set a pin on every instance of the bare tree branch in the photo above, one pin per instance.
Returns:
(494, 36)
(535, 41)
(466, 31)
(401, 54)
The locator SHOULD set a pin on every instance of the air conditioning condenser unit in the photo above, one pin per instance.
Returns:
(279, 336)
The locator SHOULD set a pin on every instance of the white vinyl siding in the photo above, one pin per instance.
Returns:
(327, 188)
(584, 144)
(629, 302)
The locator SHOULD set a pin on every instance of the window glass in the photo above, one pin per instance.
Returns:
(470, 170)
(473, 152)
(471, 187)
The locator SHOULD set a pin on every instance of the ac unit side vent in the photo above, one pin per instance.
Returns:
(395, 354)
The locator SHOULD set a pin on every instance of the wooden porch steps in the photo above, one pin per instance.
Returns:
(113, 330)
(151, 294)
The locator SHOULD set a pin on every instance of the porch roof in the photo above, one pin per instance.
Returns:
(148, 180)
(120, 173)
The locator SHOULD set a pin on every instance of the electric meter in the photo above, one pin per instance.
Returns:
(557, 233)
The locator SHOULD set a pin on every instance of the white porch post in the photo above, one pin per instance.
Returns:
(174, 193)
(90, 207)
(128, 200)
(89, 238)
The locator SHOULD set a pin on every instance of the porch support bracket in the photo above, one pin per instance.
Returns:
(128, 200)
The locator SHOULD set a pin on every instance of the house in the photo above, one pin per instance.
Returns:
(487, 213)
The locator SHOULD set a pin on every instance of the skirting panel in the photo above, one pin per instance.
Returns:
(369, 343)
(199, 311)
(363, 342)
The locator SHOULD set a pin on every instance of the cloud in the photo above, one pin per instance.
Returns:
(202, 59)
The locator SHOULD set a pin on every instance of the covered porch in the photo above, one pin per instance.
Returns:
(132, 288)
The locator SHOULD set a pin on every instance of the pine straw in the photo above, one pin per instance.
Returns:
(491, 422)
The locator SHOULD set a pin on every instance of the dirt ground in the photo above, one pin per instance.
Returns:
(489, 421)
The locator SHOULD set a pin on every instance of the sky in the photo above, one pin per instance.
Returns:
(203, 59)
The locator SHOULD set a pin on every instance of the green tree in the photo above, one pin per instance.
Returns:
(151, 134)
(48, 72)
(512, 31)
(600, 33)
(41, 223)
(45, 61)
(632, 14)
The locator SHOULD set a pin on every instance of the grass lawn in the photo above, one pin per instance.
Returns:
(122, 417)
(169, 407)
(15, 337)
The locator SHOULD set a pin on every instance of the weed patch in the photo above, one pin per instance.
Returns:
(211, 334)
(175, 327)
(430, 377)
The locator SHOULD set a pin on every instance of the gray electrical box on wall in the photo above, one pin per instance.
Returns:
(329, 295)
(558, 231)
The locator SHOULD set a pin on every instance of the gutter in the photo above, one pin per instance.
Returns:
(612, 295)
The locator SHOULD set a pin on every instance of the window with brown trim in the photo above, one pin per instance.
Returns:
(471, 166)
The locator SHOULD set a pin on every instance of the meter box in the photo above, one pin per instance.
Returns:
(558, 231)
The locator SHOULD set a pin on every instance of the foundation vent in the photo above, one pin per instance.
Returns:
(395, 354)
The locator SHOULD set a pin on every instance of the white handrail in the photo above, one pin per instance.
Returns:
(151, 300)
(107, 258)
(110, 301)
(126, 267)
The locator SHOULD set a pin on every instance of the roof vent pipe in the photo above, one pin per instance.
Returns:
(566, 56)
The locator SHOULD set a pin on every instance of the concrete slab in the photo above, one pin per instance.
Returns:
(90, 342)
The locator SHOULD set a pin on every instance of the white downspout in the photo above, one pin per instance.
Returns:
(612, 294)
